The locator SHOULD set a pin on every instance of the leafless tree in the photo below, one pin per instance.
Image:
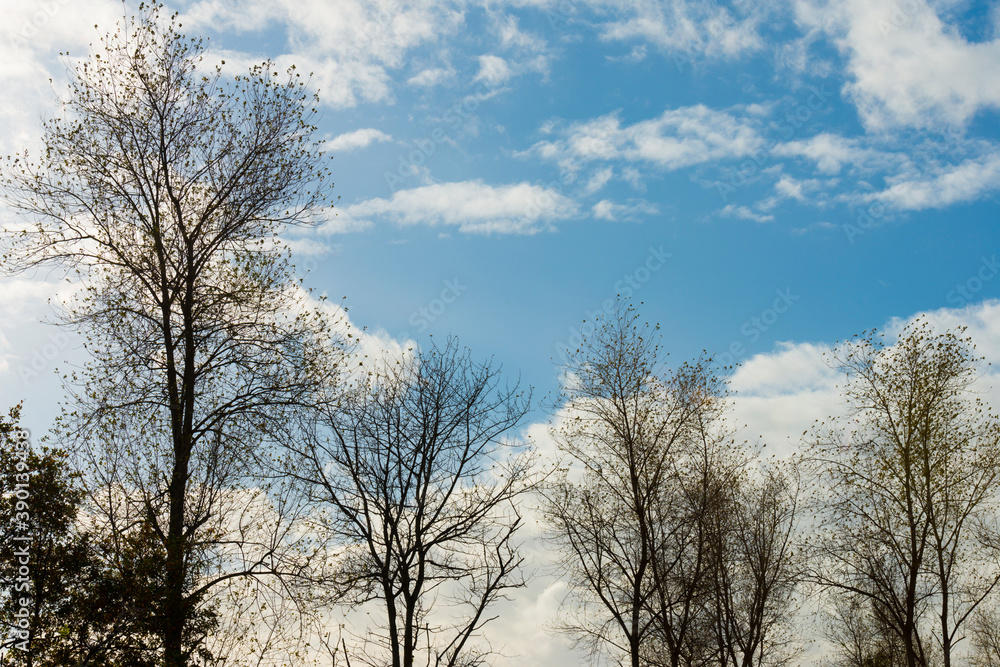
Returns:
(630, 510)
(677, 553)
(759, 568)
(910, 495)
(985, 628)
(692, 532)
(861, 634)
(420, 481)
(161, 186)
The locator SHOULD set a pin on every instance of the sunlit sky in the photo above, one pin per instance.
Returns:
(765, 177)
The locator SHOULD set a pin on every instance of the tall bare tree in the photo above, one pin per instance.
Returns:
(161, 186)
(630, 511)
(912, 490)
(421, 480)
(759, 567)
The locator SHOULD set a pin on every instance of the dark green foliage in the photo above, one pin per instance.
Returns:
(71, 592)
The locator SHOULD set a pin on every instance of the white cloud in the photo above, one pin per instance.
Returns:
(309, 248)
(635, 56)
(789, 187)
(5, 355)
(32, 35)
(677, 138)
(26, 300)
(356, 139)
(493, 70)
(633, 177)
(472, 206)
(525, 623)
(981, 320)
(512, 37)
(431, 77)
(778, 395)
(247, 16)
(742, 212)
(790, 369)
(944, 185)
(932, 173)
(598, 180)
(352, 47)
(830, 152)
(343, 83)
(691, 28)
(633, 211)
(341, 221)
(526, 52)
(908, 67)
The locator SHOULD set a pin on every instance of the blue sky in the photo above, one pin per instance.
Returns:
(765, 177)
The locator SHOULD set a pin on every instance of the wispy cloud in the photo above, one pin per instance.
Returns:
(944, 185)
(677, 138)
(744, 213)
(831, 152)
(690, 28)
(430, 77)
(631, 212)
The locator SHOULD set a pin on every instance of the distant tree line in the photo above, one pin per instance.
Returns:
(231, 471)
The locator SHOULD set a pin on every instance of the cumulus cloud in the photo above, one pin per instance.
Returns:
(352, 48)
(779, 395)
(493, 70)
(472, 206)
(789, 369)
(356, 139)
(980, 319)
(907, 66)
(344, 83)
